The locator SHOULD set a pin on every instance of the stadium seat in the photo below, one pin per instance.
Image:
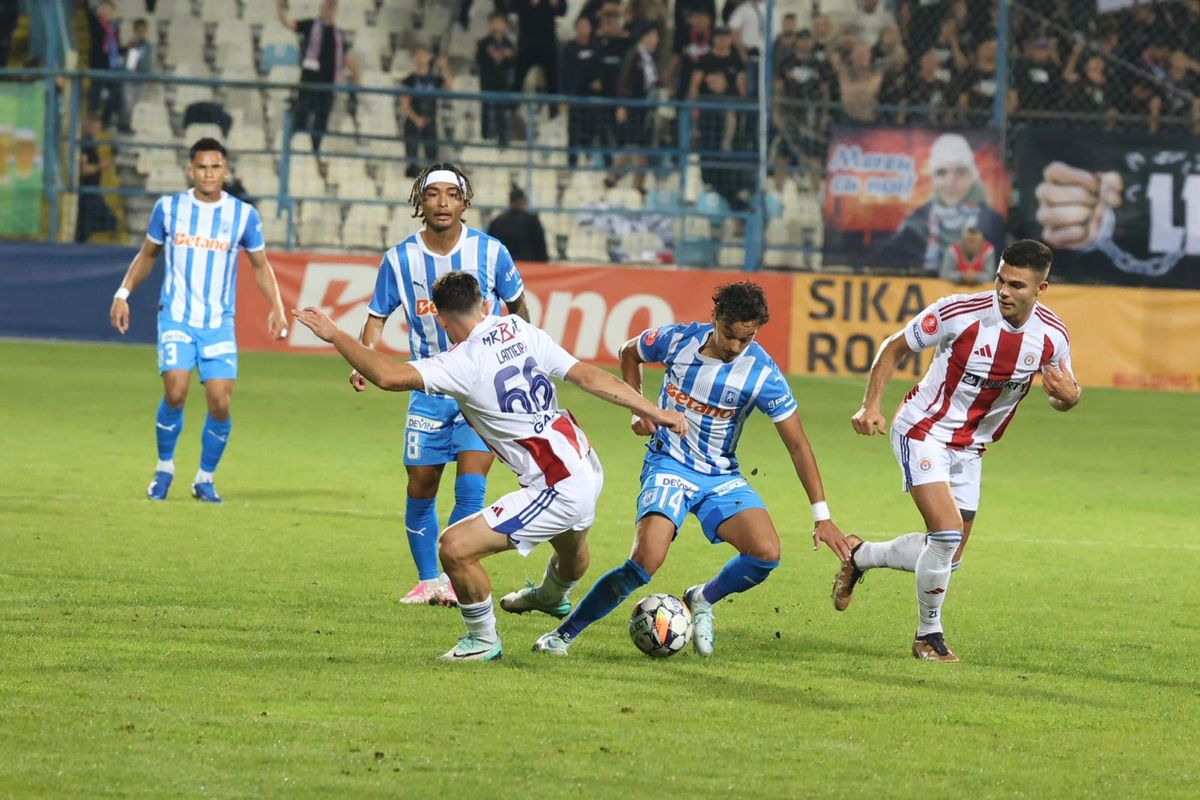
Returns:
(200, 130)
(623, 198)
(280, 55)
(218, 10)
(587, 244)
(364, 226)
(348, 178)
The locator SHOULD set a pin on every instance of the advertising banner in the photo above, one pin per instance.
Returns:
(591, 311)
(897, 198)
(1120, 209)
(22, 121)
(1122, 338)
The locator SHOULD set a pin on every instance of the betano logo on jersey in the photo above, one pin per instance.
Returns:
(425, 308)
(200, 242)
(690, 403)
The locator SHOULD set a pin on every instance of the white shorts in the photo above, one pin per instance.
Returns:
(932, 462)
(539, 513)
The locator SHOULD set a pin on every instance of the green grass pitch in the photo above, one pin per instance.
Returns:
(257, 649)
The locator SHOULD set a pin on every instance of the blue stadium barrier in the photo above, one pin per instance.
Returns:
(52, 291)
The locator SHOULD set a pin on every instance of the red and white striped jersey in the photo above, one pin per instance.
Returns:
(500, 376)
(982, 369)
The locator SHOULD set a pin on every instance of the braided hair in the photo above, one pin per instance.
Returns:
(418, 192)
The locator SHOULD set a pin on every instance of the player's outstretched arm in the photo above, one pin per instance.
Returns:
(139, 268)
(519, 307)
(1060, 384)
(369, 336)
(612, 389)
(631, 373)
(264, 276)
(384, 372)
(868, 420)
(791, 431)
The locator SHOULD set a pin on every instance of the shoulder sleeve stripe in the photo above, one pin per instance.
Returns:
(963, 306)
(1054, 323)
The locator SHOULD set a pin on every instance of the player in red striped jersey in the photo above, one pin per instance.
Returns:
(989, 346)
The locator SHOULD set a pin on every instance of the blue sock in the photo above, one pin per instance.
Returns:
(468, 496)
(168, 424)
(213, 439)
(740, 573)
(421, 525)
(605, 595)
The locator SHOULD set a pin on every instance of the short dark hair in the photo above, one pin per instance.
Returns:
(1028, 254)
(140, 21)
(207, 145)
(456, 292)
(743, 301)
(498, 15)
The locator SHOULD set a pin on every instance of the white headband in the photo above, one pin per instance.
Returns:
(443, 176)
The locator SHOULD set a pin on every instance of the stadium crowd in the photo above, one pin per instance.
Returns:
(832, 62)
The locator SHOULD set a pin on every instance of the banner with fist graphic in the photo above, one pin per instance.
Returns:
(1120, 209)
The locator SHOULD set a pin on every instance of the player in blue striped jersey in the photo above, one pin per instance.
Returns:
(435, 433)
(717, 375)
(201, 231)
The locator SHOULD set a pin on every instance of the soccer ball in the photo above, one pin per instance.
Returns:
(660, 625)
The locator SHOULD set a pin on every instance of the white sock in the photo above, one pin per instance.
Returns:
(166, 466)
(553, 588)
(898, 553)
(933, 577)
(480, 619)
(203, 477)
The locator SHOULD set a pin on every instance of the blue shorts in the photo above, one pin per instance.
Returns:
(671, 489)
(212, 351)
(435, 431)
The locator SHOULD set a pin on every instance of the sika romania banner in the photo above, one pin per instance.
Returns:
(21, 189)
(1120, 209)
(591, 311)
(1123, 338)
(897, 198)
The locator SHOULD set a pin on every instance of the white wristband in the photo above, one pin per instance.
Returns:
(122, 294)
(820, 511)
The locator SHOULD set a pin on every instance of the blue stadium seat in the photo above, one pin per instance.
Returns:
(286, 55)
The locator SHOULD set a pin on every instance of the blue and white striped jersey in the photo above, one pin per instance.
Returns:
(407, 273)
(716, 396)
(201, 241)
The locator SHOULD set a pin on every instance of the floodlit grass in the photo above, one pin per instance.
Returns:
(257, 649)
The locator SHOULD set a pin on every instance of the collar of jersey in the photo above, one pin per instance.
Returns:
(192, 194)
(710, 359)
(457, 245)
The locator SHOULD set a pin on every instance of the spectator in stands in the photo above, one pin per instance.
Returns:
(94, 215)
(784, 40)
(865, 20)
(495, 63)
(858, 82)
(581, 77)
(138, 58)
(824, 40)
(685, 22)
(611, 43)
(325, 57)
(895, 86)
(1140, 107)
(105, 96)
(1089, 94)
(928, 94)
(419, 109)
(639, 81)
(1037, 84)
(519, 230)
(959, 202)
(888, 48)
(746, 23)
(717, 128)
(721, 58)
(537, 42)
(10, 16)
(950, 57)
(806, 84)
(696, 46)
(1181, 93)
(977, 85)
(969, 261)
